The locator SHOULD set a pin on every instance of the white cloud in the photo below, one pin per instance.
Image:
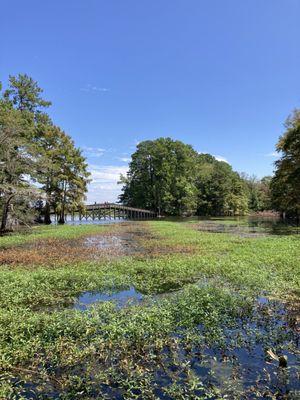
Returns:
(91, 88)
(104, 185)
(124, 159)
(93, 151)
(217, 157)
(221, 158)
(272, 154)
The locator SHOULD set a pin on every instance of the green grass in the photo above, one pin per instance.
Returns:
(50, 232)
(50, 350)
(269, 263)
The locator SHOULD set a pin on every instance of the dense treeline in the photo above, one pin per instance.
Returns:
(40, 167)
(41, 170)
(172, 178)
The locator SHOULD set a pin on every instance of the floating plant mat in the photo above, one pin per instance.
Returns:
(237, 360)
(245, 365)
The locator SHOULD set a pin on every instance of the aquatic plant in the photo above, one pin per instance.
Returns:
(214, 307)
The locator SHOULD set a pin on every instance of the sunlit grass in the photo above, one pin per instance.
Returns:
(50, 232)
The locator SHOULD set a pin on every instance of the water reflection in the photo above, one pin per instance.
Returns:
(249, 226)
(121, 298)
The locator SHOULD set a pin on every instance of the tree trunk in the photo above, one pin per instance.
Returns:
(62, 212)
(61, 219)
(5, 214)
(47, 218)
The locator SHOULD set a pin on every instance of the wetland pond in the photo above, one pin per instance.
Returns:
(245, 365)
(163, 310)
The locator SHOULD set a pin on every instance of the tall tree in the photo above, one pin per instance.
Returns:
(161, 177)
(47, 140)
(16, 159)
(36, 150)
(70, 183)
(220, 189)
(171, 177)
(21, 107)
(62, 171)
(285, 185)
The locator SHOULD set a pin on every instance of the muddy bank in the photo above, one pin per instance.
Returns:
(125, 239)
(120, 240)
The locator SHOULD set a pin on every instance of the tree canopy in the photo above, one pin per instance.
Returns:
(41, 169)
(161, 178)
(37, 159)
(285, 184)
(171, 177)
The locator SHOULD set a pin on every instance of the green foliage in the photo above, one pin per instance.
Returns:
(35, 151)
(62, 170)
(220, 189)
(172, 178)
(16, 161)
(160, 177)
(286, 182)
(259, 193)
(24, 94)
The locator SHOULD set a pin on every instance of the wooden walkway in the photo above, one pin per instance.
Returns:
(113, 211)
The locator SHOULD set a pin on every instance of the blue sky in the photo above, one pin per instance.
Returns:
(221, 75)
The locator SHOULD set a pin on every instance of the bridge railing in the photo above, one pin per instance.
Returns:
(116, 206)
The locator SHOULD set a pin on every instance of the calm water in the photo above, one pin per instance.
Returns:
(121, 298)
(243, 364)
(252, 224)
(249, 226)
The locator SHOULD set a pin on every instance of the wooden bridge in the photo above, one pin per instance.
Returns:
(113, 211)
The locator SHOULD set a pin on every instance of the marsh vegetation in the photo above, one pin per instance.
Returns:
(149, 310)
